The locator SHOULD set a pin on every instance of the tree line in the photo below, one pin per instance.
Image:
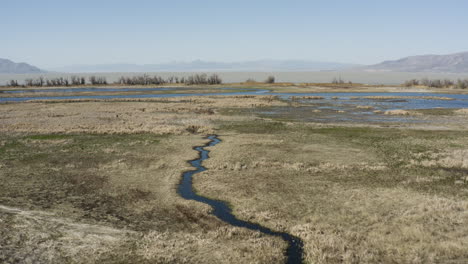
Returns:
(196, 79)
(437, 83)
(59, 81)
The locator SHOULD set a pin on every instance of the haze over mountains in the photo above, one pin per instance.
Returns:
(199, 65)
(452, 63)
(10, 67)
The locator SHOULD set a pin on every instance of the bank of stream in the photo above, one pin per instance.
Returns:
(223, 212)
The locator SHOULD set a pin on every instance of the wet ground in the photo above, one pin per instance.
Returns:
(362, 107)
(222, 210)
(331, 114)
(311, 107)
(116, 93)
(102, 89)
(384, 101)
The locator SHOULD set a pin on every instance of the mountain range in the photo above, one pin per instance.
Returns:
(198, 65)
(8, 67)
(451, 63)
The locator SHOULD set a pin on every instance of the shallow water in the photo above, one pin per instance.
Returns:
(129, 96)
(88, 89)
(335, 107)
(105, 89)
(344, 99)
(331, 115)
(222, 210)
(347, 99)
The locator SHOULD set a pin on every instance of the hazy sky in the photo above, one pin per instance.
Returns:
(51, 33)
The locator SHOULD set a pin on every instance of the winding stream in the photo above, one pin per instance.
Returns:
(222, 210)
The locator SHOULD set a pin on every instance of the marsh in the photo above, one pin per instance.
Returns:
(95, 180)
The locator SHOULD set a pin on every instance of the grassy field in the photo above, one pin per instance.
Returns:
(111, 199)
(354, 195)
(92, 181)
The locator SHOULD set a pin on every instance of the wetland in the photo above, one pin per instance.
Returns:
(367, 175)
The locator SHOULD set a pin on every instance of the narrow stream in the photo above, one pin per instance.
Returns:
(222, 210)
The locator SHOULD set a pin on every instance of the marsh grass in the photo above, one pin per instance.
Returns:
(256, 126)
(111, 198)
(353, 194)
(437, 111)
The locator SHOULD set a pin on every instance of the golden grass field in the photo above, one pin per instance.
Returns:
(94, 181)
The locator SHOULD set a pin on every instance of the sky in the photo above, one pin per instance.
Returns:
(54, 33)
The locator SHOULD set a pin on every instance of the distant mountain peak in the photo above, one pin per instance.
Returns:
(451, 63)
(10, 67)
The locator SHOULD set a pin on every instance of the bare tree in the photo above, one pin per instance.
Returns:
(437, 83)
(338, 80)
(75, 80)
(28, 82)
(97, 80)
(214, 79)
(270, 79)
(197, 79)
(462, 84)
(13, 83)
(412, 82)
(447, 83)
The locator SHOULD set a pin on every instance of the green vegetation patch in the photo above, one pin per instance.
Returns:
(256, 126)
(436, 111)
(49, 137)
(403, 152)
(49, 170)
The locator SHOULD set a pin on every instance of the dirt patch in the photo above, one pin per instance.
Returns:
(400, 112)
(463, 111)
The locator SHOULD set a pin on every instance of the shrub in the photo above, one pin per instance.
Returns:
(270, 79)
(338, 80)
(412, 82)
(13, 83)
(436, 83)
(97, 80)
(462, 84)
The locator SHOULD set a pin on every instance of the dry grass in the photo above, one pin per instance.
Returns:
(463, 111)
(365, 107)
(397, 112)
(32, 93)
(111, 198)
(408, 97)
(96, 183)
(52, 238)
(352, 194)
(157, 116)
(449, 159)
